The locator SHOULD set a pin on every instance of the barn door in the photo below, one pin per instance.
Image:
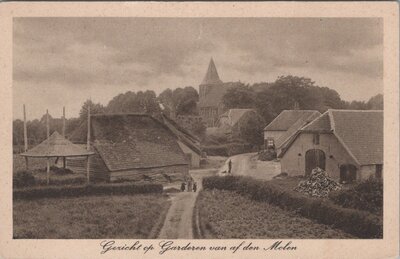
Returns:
(314, 158)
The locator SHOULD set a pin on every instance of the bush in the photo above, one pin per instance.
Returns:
(84, 190)
(60, 170)
(359, 223)
(367, 195)
(74, 180)
(267, 155)
(23, 179)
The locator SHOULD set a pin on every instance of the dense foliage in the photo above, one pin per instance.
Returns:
(180, 101)
(355, 222)
(366, 195)
(291, 92)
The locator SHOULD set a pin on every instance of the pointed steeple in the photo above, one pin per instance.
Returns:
(211, 75)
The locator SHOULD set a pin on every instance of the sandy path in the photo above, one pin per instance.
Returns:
(178, 222)
(248, 165)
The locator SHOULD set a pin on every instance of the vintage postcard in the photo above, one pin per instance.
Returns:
(203, 130)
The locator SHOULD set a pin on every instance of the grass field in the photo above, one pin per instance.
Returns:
(225, 214)
(127, 216)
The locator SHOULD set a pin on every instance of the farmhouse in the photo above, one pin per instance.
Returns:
(278, 133)
(348, 144)
(229, 120)
(131, 147)
(211, 91)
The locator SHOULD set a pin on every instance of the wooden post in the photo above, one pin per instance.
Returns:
(47, 123)
(63, 129)
(48, 143)
(48, 171)
(25, 140)
(25, 133)
(88, 169)
(88, 132)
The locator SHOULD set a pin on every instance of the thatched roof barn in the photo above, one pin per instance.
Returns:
(132, 147)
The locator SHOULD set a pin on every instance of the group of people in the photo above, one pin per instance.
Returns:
(190, 184)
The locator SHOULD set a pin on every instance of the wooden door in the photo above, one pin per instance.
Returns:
(348, 173)
(314, 158)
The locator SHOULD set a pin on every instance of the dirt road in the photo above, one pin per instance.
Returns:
(178, 222)
(248, 165)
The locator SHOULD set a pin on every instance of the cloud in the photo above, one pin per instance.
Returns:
(107, 56)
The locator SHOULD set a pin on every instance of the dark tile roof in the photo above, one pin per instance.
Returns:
(296, 126)
(183, 135)
(322, 123)
(234, 115)
(129, 141)
(211, 76)
(287, 118)
(361, 132)
(55, 146)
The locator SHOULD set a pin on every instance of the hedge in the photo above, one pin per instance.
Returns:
(366, 195)
(84, 190)
(358, 223)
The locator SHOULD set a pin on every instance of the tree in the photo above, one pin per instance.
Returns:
(376, 102)
(180, 101)
(240, 96)
(95, 108)
(250, 129)
(18, 132)
(131, 102)
(198, 128)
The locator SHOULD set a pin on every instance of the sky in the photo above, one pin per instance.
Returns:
(64, 61)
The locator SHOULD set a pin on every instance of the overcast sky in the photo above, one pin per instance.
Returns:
(63, 61)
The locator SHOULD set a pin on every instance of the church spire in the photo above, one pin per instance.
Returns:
(211, 75)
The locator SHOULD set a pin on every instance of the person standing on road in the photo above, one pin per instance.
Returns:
(229, 166)
(194, 186)
(182, 187)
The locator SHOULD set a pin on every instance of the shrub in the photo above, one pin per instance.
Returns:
(23, 179)
(83, 190)
(367, 195)
(75, 180)
(355, 222)
(267, 155)
(60, 170)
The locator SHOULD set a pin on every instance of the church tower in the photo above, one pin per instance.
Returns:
(211, 78)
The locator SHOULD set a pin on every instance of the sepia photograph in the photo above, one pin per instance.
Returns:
(197, 128)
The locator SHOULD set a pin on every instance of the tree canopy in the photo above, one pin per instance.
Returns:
(180, 101)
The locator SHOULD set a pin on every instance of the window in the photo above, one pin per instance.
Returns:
(378, 171)
(316, 139)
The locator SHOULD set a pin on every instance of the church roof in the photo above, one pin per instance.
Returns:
(211, 76)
